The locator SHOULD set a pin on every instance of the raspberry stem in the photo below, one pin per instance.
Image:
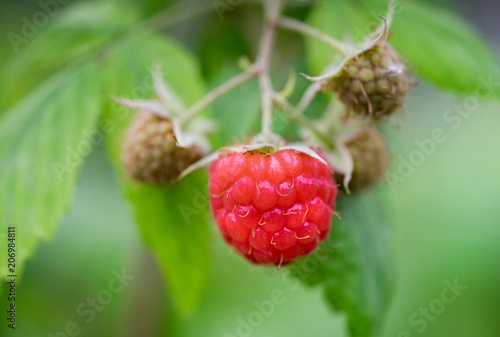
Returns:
(313, 90)
(213, 95)
(297, 115)
(272, 13)
(261, 70)
(308, 96)
(300, 27)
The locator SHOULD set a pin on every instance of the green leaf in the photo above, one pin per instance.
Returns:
(353, 264)
(173, 220)
(343, 20)
(43, 141)
(237, 111)
(443, 48)
(214, 54)
(446, 50)
(152, 7)
(78, 32)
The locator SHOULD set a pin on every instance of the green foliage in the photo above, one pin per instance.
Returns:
(446, 51)
(352, 265)
(93, 31)
(171, 219)
(213, 47)
(43, 141)
(340, 19)
(92, 48)
(151, 7)
(443, 48)
(237, 112)
(78, 33)
(127, 73)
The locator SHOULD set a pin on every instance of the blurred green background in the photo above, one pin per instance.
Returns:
(446, 226)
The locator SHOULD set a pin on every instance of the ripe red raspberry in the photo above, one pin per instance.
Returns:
(272, 207)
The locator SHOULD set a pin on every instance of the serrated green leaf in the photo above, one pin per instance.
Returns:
(443, 48)
(173, 220)
(77, 32)
(43, 141)
(353, 265)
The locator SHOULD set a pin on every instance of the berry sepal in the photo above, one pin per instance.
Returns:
(381, 36)
(245, 148)
(156, 147)
(169, 106)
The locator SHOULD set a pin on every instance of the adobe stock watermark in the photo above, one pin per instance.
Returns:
(264, 309)
(223, 6)
(74, 156)
(88, 309)
(31, 26)
(426, 315)
(453, 119)
(199, 205)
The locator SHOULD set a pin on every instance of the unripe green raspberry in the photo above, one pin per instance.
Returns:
(373, 83)
(151, 153)
(370, 159)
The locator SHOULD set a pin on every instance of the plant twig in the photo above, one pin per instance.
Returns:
(272, 12)
(300, 27)
(209, 98)
(308, 96)
(313, 89)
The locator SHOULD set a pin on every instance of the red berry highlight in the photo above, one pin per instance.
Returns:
(272, 207)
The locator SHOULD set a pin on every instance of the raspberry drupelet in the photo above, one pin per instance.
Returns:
(272, 207)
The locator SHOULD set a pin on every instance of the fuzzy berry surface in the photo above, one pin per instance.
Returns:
(373, 83)
(370, 159)
(272, 207)
(150, 152)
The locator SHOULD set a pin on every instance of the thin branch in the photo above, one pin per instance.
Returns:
(332, 115)
(314, 89)
(300, 27)
(272, 12)
(308, 96)
(293, 113)
(209, 98)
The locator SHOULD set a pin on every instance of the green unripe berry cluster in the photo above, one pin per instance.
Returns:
(373, 83)
(370, 159)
